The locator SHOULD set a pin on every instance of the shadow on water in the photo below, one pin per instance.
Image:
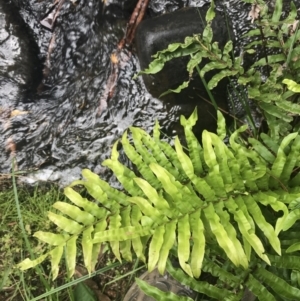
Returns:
(64, 125)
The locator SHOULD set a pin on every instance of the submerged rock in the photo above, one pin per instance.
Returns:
(156, 34)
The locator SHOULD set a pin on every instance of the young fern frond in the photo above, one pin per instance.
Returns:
(187, 204)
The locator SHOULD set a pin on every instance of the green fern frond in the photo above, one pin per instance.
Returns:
(190, 203)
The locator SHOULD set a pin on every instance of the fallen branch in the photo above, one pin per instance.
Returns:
(115, 58)
(135, 19)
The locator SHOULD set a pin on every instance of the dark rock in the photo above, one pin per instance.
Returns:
(157, 7)
(20, 73)
(156, 34)
(32, 12)
(18, 52)
(128, 5)
(59, 130)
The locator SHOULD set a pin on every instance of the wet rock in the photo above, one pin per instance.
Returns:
(127, 5)
(62, 130)
(20, 72)
(157, 7)
(156, 34)
(59, 130)
(32, 12)
(18, 53)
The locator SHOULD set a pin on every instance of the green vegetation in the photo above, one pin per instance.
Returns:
(21, 214)
(20, 217)
(210, 206)
(229, 211)
(278, 42)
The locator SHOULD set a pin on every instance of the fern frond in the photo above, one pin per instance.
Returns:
(203, 287)
(278, 285)
(190, 205)
(259, 290)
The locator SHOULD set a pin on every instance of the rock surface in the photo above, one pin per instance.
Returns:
(20, 72)
(156, 34)
(57, 131)
(18, 53)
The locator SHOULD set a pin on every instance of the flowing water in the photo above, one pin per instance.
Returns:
(58, 123)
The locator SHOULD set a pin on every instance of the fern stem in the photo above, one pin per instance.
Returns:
(263, 41)
(207, 90)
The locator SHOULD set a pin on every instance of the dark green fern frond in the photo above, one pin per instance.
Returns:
(274, 40)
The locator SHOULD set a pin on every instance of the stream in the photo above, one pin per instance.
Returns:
(53, 119)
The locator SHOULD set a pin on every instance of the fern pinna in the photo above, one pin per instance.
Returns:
(224, 201)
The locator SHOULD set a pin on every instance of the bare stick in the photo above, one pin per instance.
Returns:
(115, 57)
